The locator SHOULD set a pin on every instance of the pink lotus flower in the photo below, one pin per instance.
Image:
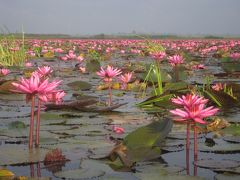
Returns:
(198, 66)
(218, 86)
(64, 58)
(82, 69)
(28, 64)
(108, 74)
(194, 108)
(4, 71)
(54, 96)
(44, 71)
(195, 112)
(235, 56)
(175, 60)
(80, 58)
(122, 52)
(158, 55)
(34, 85)
(118, 130)
(58, 50)
(189, 100)
(125, 79)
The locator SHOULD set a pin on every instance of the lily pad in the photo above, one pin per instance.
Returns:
(83, 173)
(6, 87)
(226, 176)
(80, 85)
(232, 139)
(20, 154)
(220, 147)
(234, 130)
(216, 164)
(231, 67)
(93, 65)
(17, 125)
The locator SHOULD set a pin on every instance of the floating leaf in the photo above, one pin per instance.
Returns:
(231, 67)
(93, 65)
(221, 148)
(234, 130)
(216, 164)
(232, 139)
(20, 154)
(6, 87)
(16, 125)
(85, 173)
(80, 85)
(226, 176)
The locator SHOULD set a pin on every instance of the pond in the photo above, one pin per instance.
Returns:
(82, 136)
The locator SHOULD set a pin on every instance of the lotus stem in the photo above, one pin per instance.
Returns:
(38, 123)
(30, 144)
(187, 147)
(32, 170)
(38, 169)
(176, 70)
(195, 150)
(110, 94)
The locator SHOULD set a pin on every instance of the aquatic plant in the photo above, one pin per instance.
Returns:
(54, 160)
(193, 112)
(32, 87)
(118, 130)
(174, 61)
(4, 72)
(107, 76)
(155, 70)
(125, 79)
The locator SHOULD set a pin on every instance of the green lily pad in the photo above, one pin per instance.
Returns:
(83, 173)
(80, 85)
(20, 154)
(6, 87)
(17, 125)
(232, 139)
(220, 147)
(234, 130)
(227, 176)
(216, 164)
(231, 67)
(93, 65)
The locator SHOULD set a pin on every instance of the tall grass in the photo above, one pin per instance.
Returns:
(12, 51)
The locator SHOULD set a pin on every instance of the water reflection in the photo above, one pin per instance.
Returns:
(32, 170)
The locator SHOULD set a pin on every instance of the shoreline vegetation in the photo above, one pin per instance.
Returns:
(117, 36)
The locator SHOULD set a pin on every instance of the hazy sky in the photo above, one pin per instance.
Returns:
(112, 16)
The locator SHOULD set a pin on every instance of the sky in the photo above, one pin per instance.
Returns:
(87, 17)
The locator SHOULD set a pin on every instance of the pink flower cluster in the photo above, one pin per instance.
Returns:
(4, 72)
(193, 109)
(36, 85)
